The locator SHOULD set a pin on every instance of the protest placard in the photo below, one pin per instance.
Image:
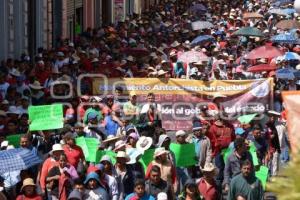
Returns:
(45, 117)
(146, 158)
(89, 147)
(185, 154)
(14, 140)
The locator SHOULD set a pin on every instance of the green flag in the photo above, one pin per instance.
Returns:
(14, 140)
(185, 154)
(226, 152)
(262, 175)
(253, 153)
(89, 147)
(147, 158)
(246, 119)
(46, 117)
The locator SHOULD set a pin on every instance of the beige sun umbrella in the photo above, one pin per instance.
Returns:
(252, 15)
(288, 24)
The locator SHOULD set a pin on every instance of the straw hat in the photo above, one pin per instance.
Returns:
(144, 143)
(210, 167)
(175, 44)
(173, 53)
(160, 151)
(56, 147)
(36, 85)
(119, 145)
(122, 154)
(27, 182)
(161, 72)
(111, 138)
(15, 72)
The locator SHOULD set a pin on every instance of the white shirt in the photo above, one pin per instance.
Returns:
(146, 107)
(113, 187)
(97, 194)
(94, 134)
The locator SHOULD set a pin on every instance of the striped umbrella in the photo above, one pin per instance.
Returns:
(199, 25)
(285, 38)
(249, 31)
(17, 159)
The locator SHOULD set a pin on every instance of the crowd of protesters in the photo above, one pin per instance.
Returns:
(126, 127)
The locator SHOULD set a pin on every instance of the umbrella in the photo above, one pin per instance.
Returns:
(17, 159)
(265, 51)
(294, 32)
(277, 11)
(289, 11)
(198, 8)
(285, 73)
(249, 31)
(253, 15)
(286, 38)
(136, 51)
(288, 24)
(192, 56)
(291, 56)
(202, 38)
(297, 74)
(198, 25)
(261, 68)
(283, 2)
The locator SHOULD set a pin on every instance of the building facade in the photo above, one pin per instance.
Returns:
(27, 25)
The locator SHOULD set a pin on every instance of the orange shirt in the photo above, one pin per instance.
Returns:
(48, 164)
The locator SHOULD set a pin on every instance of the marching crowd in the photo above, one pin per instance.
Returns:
(147, 46)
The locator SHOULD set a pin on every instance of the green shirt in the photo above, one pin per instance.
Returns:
(250, 189)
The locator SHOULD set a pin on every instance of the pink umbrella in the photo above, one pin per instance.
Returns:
(266, 51)
(261, 68)
(192, 56)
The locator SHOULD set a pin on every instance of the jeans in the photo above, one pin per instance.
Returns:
(219, 162)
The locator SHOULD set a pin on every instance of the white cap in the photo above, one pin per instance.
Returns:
(162, 196)
(180, 133)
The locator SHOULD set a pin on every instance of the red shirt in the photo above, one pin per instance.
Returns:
(35, 197)
(209, 193)
(220, 137)
(73, 154)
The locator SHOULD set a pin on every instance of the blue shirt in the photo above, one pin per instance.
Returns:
(145, 197)
(111, 126)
